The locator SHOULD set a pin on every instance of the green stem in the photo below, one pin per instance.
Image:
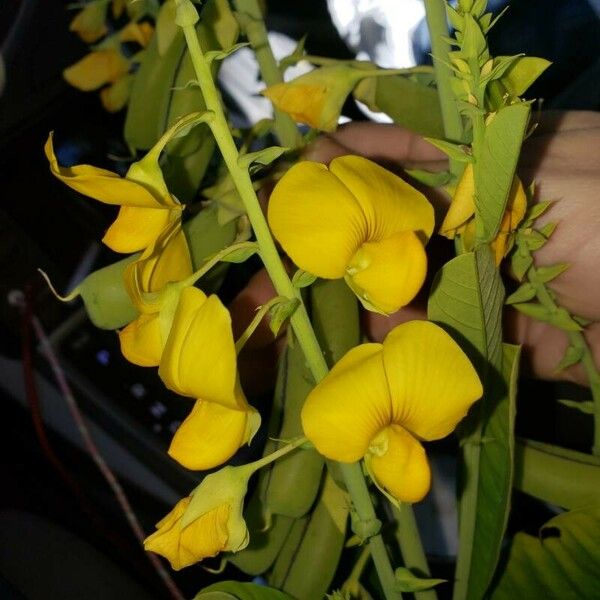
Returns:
(269, 458)
(260, 315)
(411, 547)
(352, 585)
(352, 473)
(256, 32)
(577, 340)
(438, 29)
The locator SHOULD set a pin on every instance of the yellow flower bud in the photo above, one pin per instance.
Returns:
(90, 23)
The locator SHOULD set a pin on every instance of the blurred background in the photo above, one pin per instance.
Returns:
(58, 516)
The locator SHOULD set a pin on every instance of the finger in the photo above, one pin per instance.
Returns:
(552, 121)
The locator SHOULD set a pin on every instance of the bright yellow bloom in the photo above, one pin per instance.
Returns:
(358, 221)
(97, 69)
(90, 23)
(137, 32)
(380, 400)
(460, 216)
(147, 207)
(147, 281)
(207, 522)
(199, 360)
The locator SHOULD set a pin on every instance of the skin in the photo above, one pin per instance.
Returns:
(561, 157)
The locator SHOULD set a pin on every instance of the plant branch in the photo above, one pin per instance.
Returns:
(352, 473)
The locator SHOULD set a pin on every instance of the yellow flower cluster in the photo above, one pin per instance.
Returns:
(179, 329)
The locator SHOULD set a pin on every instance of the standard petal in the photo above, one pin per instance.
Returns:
(209, 436)
(135, 228)
(389, 203)
(199, 359)
(387, 275)
(316, 219)
(96, 69)
(400, 465)
(431, 380)
(347, 409)
(141, 341)
(463, 204)
(100, 184)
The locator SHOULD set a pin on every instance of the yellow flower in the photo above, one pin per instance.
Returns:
(207, 522)
(147, 280)
(137, 32)
(460, 216)
(97, 69)
(380, 400)
(316, 98)
(147, 207)
(355, 220)
(90, 23)
(199, 360)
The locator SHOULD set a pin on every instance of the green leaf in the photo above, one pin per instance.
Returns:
(261, 157)
(467, 300)
(559, 318)
(437, 179)
(241, 252)
(535, 211)
(213, 55)
(495, 169)
(454, 151)
(546, 274)
(586, 407)
(407, 582)
(408, 103)
(235, 590)
(522, 73)
(562, 563)
(302, 279)
(295, 57)
(571, 357)
(520, 263)
(523, 293)
(562, 477)
(280, 313)
(548, 229)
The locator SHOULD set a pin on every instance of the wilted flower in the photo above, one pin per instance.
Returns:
(380, 400)
(358, 221)
(460, 216)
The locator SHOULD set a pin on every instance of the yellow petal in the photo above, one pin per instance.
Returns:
(115, 96)
(431, 381)
(389, 203)
(347, 409)
(100, 184)
(206, 536)
(399, 465)
(137, 32)
(199, 359)
(463, 204)
(388, 274)
(90, 23)
(96, 69)
(135, 228)
(141, 341)
(316, 219)
(211, 435)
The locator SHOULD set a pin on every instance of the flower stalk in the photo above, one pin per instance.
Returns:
(300, 321)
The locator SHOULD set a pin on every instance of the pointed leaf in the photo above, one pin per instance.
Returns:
(280, 313)
(262, 157)
(241, 252)
(545, 274)
(523, 73)
(524, 292)
(562, 562)
(406, 581)
(572, 356)
(495, 170)
(548, 229)
(454, 151)
(520, 263)
(236, 590)
(586, 407)
(302, 279)
(432, 179)
(537, 210)
(212, 55)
